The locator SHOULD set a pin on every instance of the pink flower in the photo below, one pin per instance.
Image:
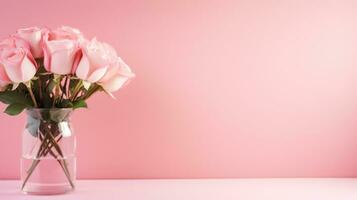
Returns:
(18, 65)
(65, 32)
(100, 63)
(33, 36)
(13, 42)
(95, 61)
(60, 55)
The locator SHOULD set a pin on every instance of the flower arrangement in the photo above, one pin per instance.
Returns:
(57, 68)
(51, 72)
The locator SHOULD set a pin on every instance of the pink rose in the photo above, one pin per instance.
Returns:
(96, 60)
(13, 42)
(60, 55)
(33, 36)
(18, 65)
(100, 64)
(65, 32)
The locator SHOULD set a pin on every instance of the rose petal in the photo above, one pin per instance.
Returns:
(83, 67)
(114, 84)
(60, 56)
(28, 69)
(33, 36)
(97, 74)
(18, 67)
(62, 62)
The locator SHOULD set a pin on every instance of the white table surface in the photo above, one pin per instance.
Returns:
(198, 189)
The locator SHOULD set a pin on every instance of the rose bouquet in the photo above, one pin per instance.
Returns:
(50, 73)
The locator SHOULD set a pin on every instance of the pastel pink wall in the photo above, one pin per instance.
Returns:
(223, 89)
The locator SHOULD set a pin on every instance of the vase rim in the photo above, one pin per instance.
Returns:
(54, 114)
(48, 109)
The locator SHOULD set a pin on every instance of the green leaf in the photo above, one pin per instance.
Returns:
(32, 125)
(66, 103)
(58, 115)
(94, 88)
(73, 83)
(15, 109)
(51, 85)
(15, 97)
(79, 104)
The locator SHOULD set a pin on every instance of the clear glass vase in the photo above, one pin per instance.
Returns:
(48, 163)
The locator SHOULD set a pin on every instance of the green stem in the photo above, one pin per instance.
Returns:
(35, 162)
(40, 89)
(76, 90)
(31, 94)
(64, 167)
(48, 141)
(64, 88)
(42, 151)
(91, 91)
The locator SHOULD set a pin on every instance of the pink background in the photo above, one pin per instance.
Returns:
(223, 89)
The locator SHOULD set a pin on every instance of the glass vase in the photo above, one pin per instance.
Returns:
(48, 162)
